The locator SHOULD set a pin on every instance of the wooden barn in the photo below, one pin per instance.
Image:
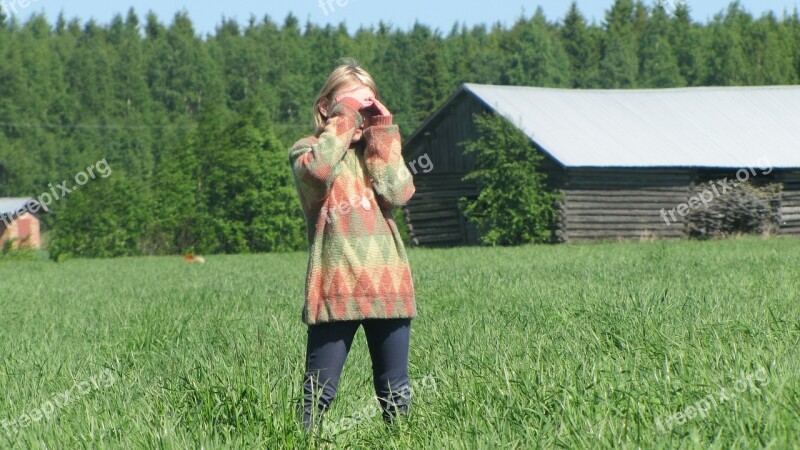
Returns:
(17, 225)
(618, 156)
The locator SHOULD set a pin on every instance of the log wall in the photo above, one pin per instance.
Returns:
(790, 210)
(432, 215)
(617, 204)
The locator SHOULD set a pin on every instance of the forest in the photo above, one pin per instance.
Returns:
(197, 128)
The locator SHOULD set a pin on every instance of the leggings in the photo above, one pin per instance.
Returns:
(327, 349)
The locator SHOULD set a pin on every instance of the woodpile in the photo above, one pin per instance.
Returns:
(747, 209)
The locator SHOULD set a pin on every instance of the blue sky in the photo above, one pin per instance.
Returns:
(206, 14)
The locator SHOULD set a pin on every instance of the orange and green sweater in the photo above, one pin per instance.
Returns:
(357, 264)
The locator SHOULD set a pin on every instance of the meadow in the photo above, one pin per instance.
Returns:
(632, 345)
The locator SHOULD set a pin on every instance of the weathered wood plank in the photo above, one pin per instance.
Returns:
(644, 190)
(637, 220)
(431, 207)
(433, 228)
(574, 227)
(628, 199)
(433, 215)
(434, 177)
(648, 212)
(665, 231)
(603, 207)
(630, 172)
(639, 178)
(444, 193)
(587, 208)
(624, 184)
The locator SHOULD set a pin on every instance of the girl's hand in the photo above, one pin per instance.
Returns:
(378, 107)
(370, 105)
(364, 104)
(376, 113)
(361, 111)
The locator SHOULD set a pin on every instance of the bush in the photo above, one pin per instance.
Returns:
(747, 209)
(402, 225)
(104, 219)
(9, 253)
(514, 205)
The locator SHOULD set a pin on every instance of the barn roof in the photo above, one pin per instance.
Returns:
(716, 127)
(11, 206)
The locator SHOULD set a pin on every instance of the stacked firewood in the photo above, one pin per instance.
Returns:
(746, 209)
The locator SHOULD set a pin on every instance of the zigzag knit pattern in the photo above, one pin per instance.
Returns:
(357, 266)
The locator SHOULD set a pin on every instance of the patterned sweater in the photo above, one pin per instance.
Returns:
(357, 265)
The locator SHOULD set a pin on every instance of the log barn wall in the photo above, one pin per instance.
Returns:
(790, 210)
(605, 204)
(432, 215)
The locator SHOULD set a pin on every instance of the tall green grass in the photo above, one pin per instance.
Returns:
(540, 346)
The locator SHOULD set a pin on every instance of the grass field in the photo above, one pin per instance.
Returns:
(595, 346)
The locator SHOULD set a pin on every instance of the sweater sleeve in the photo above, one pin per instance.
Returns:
(390, 176)
(315, 162)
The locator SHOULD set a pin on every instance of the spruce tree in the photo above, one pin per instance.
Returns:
(581, 49)
(620, 66)
(659, 66)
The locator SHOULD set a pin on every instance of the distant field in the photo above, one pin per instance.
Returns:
(595, 346)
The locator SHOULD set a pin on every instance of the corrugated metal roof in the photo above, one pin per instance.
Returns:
(724, 127)
(12, 205)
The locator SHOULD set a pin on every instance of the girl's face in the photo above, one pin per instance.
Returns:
(361, 93)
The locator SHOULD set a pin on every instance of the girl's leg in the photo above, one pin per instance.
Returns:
(326, 352)
(388, 341)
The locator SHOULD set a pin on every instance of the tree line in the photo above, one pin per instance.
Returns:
(197, 128)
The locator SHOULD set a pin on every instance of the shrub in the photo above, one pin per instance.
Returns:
(104, 219)
(9, 253)
(514, 205)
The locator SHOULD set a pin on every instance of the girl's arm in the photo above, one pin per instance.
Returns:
(390, 176)
(315, 161)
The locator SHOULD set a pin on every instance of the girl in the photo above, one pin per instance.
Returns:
(349, 176)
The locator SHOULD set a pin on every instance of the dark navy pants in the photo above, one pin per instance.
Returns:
(326, 352)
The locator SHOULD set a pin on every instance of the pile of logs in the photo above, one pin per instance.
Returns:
(746, 209)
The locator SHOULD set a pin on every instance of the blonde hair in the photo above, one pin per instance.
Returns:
(347, 72)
